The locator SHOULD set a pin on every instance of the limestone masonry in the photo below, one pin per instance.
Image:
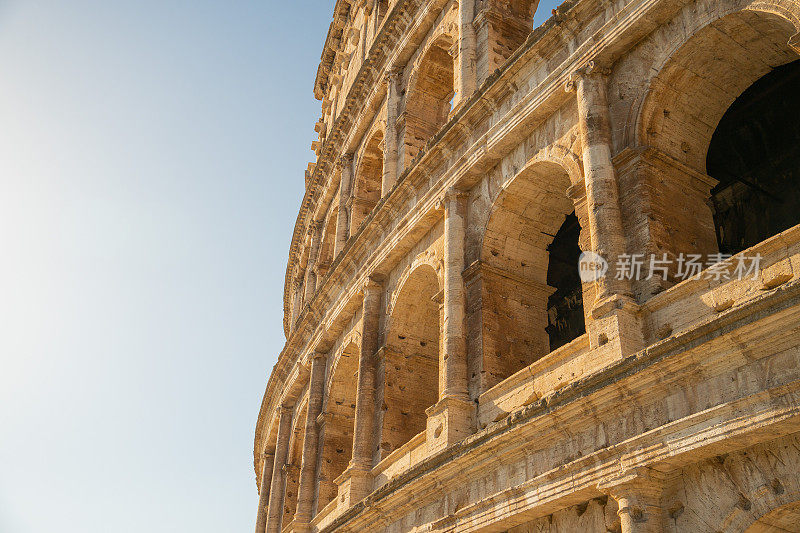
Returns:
(449, 366)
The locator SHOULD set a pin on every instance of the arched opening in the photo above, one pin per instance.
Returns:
(505, 29)
(514, 26)
(531, 296)
(328, 243)
(428, 99)
(785, 519)
(565, 314)
(337, 428)
(682, 119)
(411, 362)
(367, 191)
(292, 468)
(755, 156)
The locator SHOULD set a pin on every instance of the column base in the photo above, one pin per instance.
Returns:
(616, 327)
(300, 528)
(355, 484)
(449, 421)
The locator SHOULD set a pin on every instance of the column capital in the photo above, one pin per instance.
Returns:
(344, 160)
(284, 409)
(592, 68)
(393, 74)
(371, 284)
(450, 195)
(638, 494)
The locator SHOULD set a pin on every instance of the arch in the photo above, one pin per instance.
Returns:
(336, 431)
(411, 358)
(368, 179)
(431, 88)
(520, 312)
(698, 76)
(785, 519)
(428, 258)
(754, 154)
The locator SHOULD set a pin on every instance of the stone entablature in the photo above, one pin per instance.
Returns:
(419, 266)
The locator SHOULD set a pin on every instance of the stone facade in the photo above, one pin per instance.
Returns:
(446, 369)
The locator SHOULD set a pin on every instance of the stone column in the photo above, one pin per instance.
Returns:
(390, 137)
(638, 496)
(605, 218)
(277, 487)
(297, 300)
(345, 193)
(454, 358)
(616, 325)
(315, 232)
(360, 469)
(308, 470)
(450, 420)
(466, 51)
(268, 461)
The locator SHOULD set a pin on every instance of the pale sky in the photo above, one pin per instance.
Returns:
(151, 166)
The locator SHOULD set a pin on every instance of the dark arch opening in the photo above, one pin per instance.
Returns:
(566, 321)
(755, 156)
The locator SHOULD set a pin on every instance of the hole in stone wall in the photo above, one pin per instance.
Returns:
(565, 306)
(755, 156)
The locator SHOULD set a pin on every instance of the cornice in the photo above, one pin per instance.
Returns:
(394, 26)
(341, 10)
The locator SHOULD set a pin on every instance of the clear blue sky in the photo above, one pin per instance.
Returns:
(151, 166)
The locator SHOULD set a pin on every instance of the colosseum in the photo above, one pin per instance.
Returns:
(544, 278)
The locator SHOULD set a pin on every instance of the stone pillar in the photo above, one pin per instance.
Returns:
(360, 469)
(308, 470)
(277, 487)
(450, 420)
(297, 300)
(345, 193)
(466, 51)
(605, 218)
(315, 232)
(390, 137)
(615, 327)
(638, 496)
(327, 490)
(268, 461)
